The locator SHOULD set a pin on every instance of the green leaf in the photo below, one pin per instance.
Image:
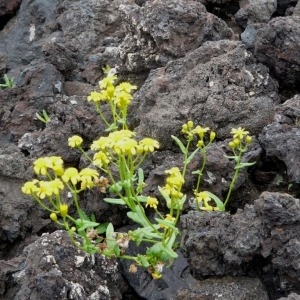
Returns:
(143, 261)
(85, 224)
(141, 183)
(165, 196)
(244, 165)
(112, 127)
(142, 198)
(102, 228)
(138, 216)
(192, 156)
(217, 200)
(167, 223)
(115, 201)
(110, 239)
(179, 143)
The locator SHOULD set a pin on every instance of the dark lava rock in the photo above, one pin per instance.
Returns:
(261, 238)
(52, 268)
(216, 85)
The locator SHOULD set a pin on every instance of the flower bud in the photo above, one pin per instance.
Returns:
(231, 145)
(212, 136)
(63, 210)
(236, 142)
(248, 139)
(190, 124)
(53, 217)
(73, 229)
(200, 144)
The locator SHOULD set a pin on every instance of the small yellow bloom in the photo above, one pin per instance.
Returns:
(56, 185)
(152, 202)
(75, 141)
(101, 158)
(212, 136)
(239, 133)
(40, 166)
(169, 218)
(107, 81)
(102, 143)
(126, 87)
(53, 217)
(122, 99)
(126, 146)
(203, 197)
(121, 134)
(87, 177)
(63, 210)
(248, 139)
(200, 131)
(71, 174)
(44, 190)
(96, 97)
(30, 187)
(148, 144)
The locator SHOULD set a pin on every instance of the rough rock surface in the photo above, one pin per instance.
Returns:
(188, 63)
(218, 79)
(256, 240)
(52, 268)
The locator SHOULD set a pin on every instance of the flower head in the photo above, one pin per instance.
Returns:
(87, 177)
(107, 81)
(102, 143)
(101, 158)
(152, 202)
(200, 131)
(239, 133)
(63, 210)
(122, 99)
(75, 141)
(126, 87)
(40, 166)
(71, 174)
(56, 185)
(30, 187)
(148, 145)
(125, 146)
(44, 190)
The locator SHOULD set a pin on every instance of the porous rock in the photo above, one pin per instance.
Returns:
(52, 268)
(278, 46)
(163, 30)
(266, 232)
(216, 85)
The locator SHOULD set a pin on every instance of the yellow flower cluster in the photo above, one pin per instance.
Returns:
(119, 95)
(190, 131)
(47, 188)
(174, 183)
(240, 138)
(121, 142)
(203, 200)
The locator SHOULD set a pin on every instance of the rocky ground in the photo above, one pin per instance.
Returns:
(223, 64)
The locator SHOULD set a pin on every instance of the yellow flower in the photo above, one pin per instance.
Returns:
(87, 177)
(187, 128)
(152, 202)
(71, 174)
(149, 144)
(56, 164)
(200, 131)
(63, 210)
(30, 187)
(248, 139)
(175, 178)
(75, 141)
(125, 146)
(169, 218)
(53, 217)
(239, 133)
(41, 165)
(96, 97)
(101, 158)
(44, 190)
(107, 81)
(102, 143)
(121, 134)
(122, 99)
(126, 87)
(56, 185)
(203, 197)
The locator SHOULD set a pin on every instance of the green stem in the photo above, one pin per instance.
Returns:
(201, 170)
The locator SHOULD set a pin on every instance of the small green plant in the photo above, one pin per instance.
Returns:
(121, 150)
(8, 82)
(44, 117)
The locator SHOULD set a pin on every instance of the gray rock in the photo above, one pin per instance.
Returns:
(227, 288)
(278, 47)
(220, 244)
(215, 85)
(52, 268)
(163, 30)
(292, 296)
(282, 141)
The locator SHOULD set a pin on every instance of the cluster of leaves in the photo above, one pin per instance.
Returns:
(121, 150)
(8, 82)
